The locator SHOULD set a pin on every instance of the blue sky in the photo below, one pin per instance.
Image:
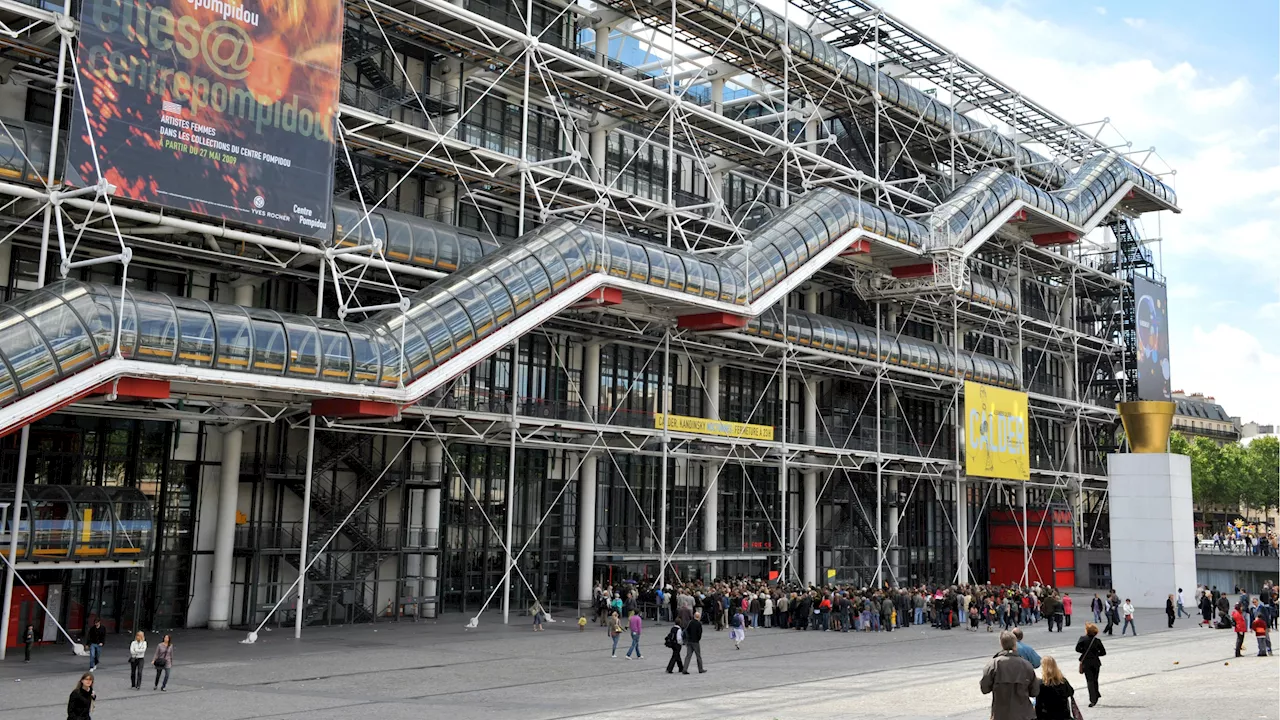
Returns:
(1202, 85)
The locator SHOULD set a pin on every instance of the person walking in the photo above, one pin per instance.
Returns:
(674, 641)
(1181, 608)
(1206, 609)
(1091, 651)
(137, 653)
(635, 626)
(80, 704)
(28, 639)
(163, 662)
(692, 642)
(1128, 618)
(737, 629)
(97, 638)
(1011, 682)
(538, 615)
(1066, 609)
(1170, 610)
(1056, 694)
(615, 631)
(1237, 617)
(1025, 651)
(1096, 606)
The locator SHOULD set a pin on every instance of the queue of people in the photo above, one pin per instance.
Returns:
(754, 603)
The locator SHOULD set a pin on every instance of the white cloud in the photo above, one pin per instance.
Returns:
(1230, 364)
(1100, 10)
(1135, 23)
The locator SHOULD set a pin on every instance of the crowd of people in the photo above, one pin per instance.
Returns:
(1246, 614)
(742, 603)
(1240, 539)
(845, 608)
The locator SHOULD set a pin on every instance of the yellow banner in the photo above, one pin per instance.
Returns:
(996, 433)
(706, 426)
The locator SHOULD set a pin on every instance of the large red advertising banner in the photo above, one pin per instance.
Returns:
(224, 109)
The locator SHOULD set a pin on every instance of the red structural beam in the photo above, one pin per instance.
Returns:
(906, 272)
(858, 247)
(703, 322)
(601, 296)
(348, 409)
(1019, 216)
(129, 388)
(1066, 237)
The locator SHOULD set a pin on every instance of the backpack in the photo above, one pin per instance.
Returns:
(735, 621)
(673, 638)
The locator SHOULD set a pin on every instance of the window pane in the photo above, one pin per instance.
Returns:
(157, 328)
(365, 357)
(304, 348)
(337, 355)
(269, 350)
(195, 344)
(235, 339)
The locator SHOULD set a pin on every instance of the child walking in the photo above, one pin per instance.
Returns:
(1262, 635)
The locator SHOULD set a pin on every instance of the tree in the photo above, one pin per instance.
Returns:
(1232, 475)
(1263, 463)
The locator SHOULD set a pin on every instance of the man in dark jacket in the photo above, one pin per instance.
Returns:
(97, 638)
(804, 608)
(886, 614)
(1052, 610)
(28, 639)
(711, 607)
(674, 641)
(1011, 682)
(692, 640)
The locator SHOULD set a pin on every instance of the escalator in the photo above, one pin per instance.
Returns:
(65, 341)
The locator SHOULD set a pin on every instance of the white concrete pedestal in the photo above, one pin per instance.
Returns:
(1153, 546)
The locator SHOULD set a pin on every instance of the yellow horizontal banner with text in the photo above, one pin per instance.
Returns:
(707, 426)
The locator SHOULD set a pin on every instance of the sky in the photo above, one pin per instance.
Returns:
(1202, 86)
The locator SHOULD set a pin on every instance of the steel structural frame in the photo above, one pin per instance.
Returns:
(785, 162)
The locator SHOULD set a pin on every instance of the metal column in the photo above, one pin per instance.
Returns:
(224, 544)
(711, 474)
(587, 481)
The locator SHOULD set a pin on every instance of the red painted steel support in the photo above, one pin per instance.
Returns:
(349, 409)
(711, 321)
(906, 272)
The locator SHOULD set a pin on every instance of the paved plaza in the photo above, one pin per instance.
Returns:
(440, 670)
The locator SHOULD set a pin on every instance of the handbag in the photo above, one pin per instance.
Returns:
(1075, 711)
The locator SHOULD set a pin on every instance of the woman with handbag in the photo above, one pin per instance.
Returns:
(80, 704)
(1091, 650)
(1055, 701)
(163, 663)
(137, 653)
(615, 630)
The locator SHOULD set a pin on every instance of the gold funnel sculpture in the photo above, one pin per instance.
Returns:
(1147, 424)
